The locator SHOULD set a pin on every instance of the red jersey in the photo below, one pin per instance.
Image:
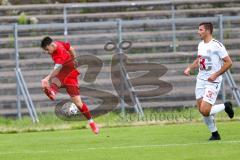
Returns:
(68, 74)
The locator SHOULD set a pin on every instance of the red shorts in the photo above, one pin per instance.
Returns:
(71, 88)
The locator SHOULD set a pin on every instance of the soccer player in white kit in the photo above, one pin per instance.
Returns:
(212, 61)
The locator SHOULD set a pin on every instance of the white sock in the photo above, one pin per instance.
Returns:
(209, 121)
(217, 108)
(90, 120)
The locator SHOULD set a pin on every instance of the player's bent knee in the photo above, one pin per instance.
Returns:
(204, 112)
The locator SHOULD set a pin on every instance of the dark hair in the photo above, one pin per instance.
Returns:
(46, 41)
(207, 26)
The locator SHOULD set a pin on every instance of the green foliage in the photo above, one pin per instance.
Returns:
(190, 37)
(4, 2)
(21, 56)
(227, 32)
(11, 43)
(218, 5)
(22, 19)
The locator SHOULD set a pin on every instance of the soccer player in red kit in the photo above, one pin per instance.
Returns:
(64, 75)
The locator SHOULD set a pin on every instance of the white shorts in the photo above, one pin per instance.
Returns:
(207, 90)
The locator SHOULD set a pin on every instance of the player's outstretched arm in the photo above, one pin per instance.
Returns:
(191, 67)
(227, 63)
(53, 73)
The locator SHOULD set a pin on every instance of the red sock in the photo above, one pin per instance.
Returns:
(85, 111)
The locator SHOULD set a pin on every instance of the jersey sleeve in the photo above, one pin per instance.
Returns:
(223, 52)
(58, 60)
(58, 57)
(66, 45)
(61, 55)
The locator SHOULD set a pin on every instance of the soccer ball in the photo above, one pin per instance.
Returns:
(72, 109)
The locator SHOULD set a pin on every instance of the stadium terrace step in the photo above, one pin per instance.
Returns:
(35, 69)
(162, 58)
(50, 108)
(94, 38)
(109, 5)
(12, 111)
(87, 37)
(106, 84)
(126, 15)
(183, 93)
(183, 90)
(36, 75)
(93, 41)
(115, 6)
(104, 34)
(98, 48)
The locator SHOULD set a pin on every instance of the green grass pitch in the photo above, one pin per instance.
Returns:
(153, 142)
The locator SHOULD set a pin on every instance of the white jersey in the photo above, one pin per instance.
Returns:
(210, 59)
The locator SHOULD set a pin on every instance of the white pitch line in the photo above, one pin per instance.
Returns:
(163, 145)
(124, 147)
